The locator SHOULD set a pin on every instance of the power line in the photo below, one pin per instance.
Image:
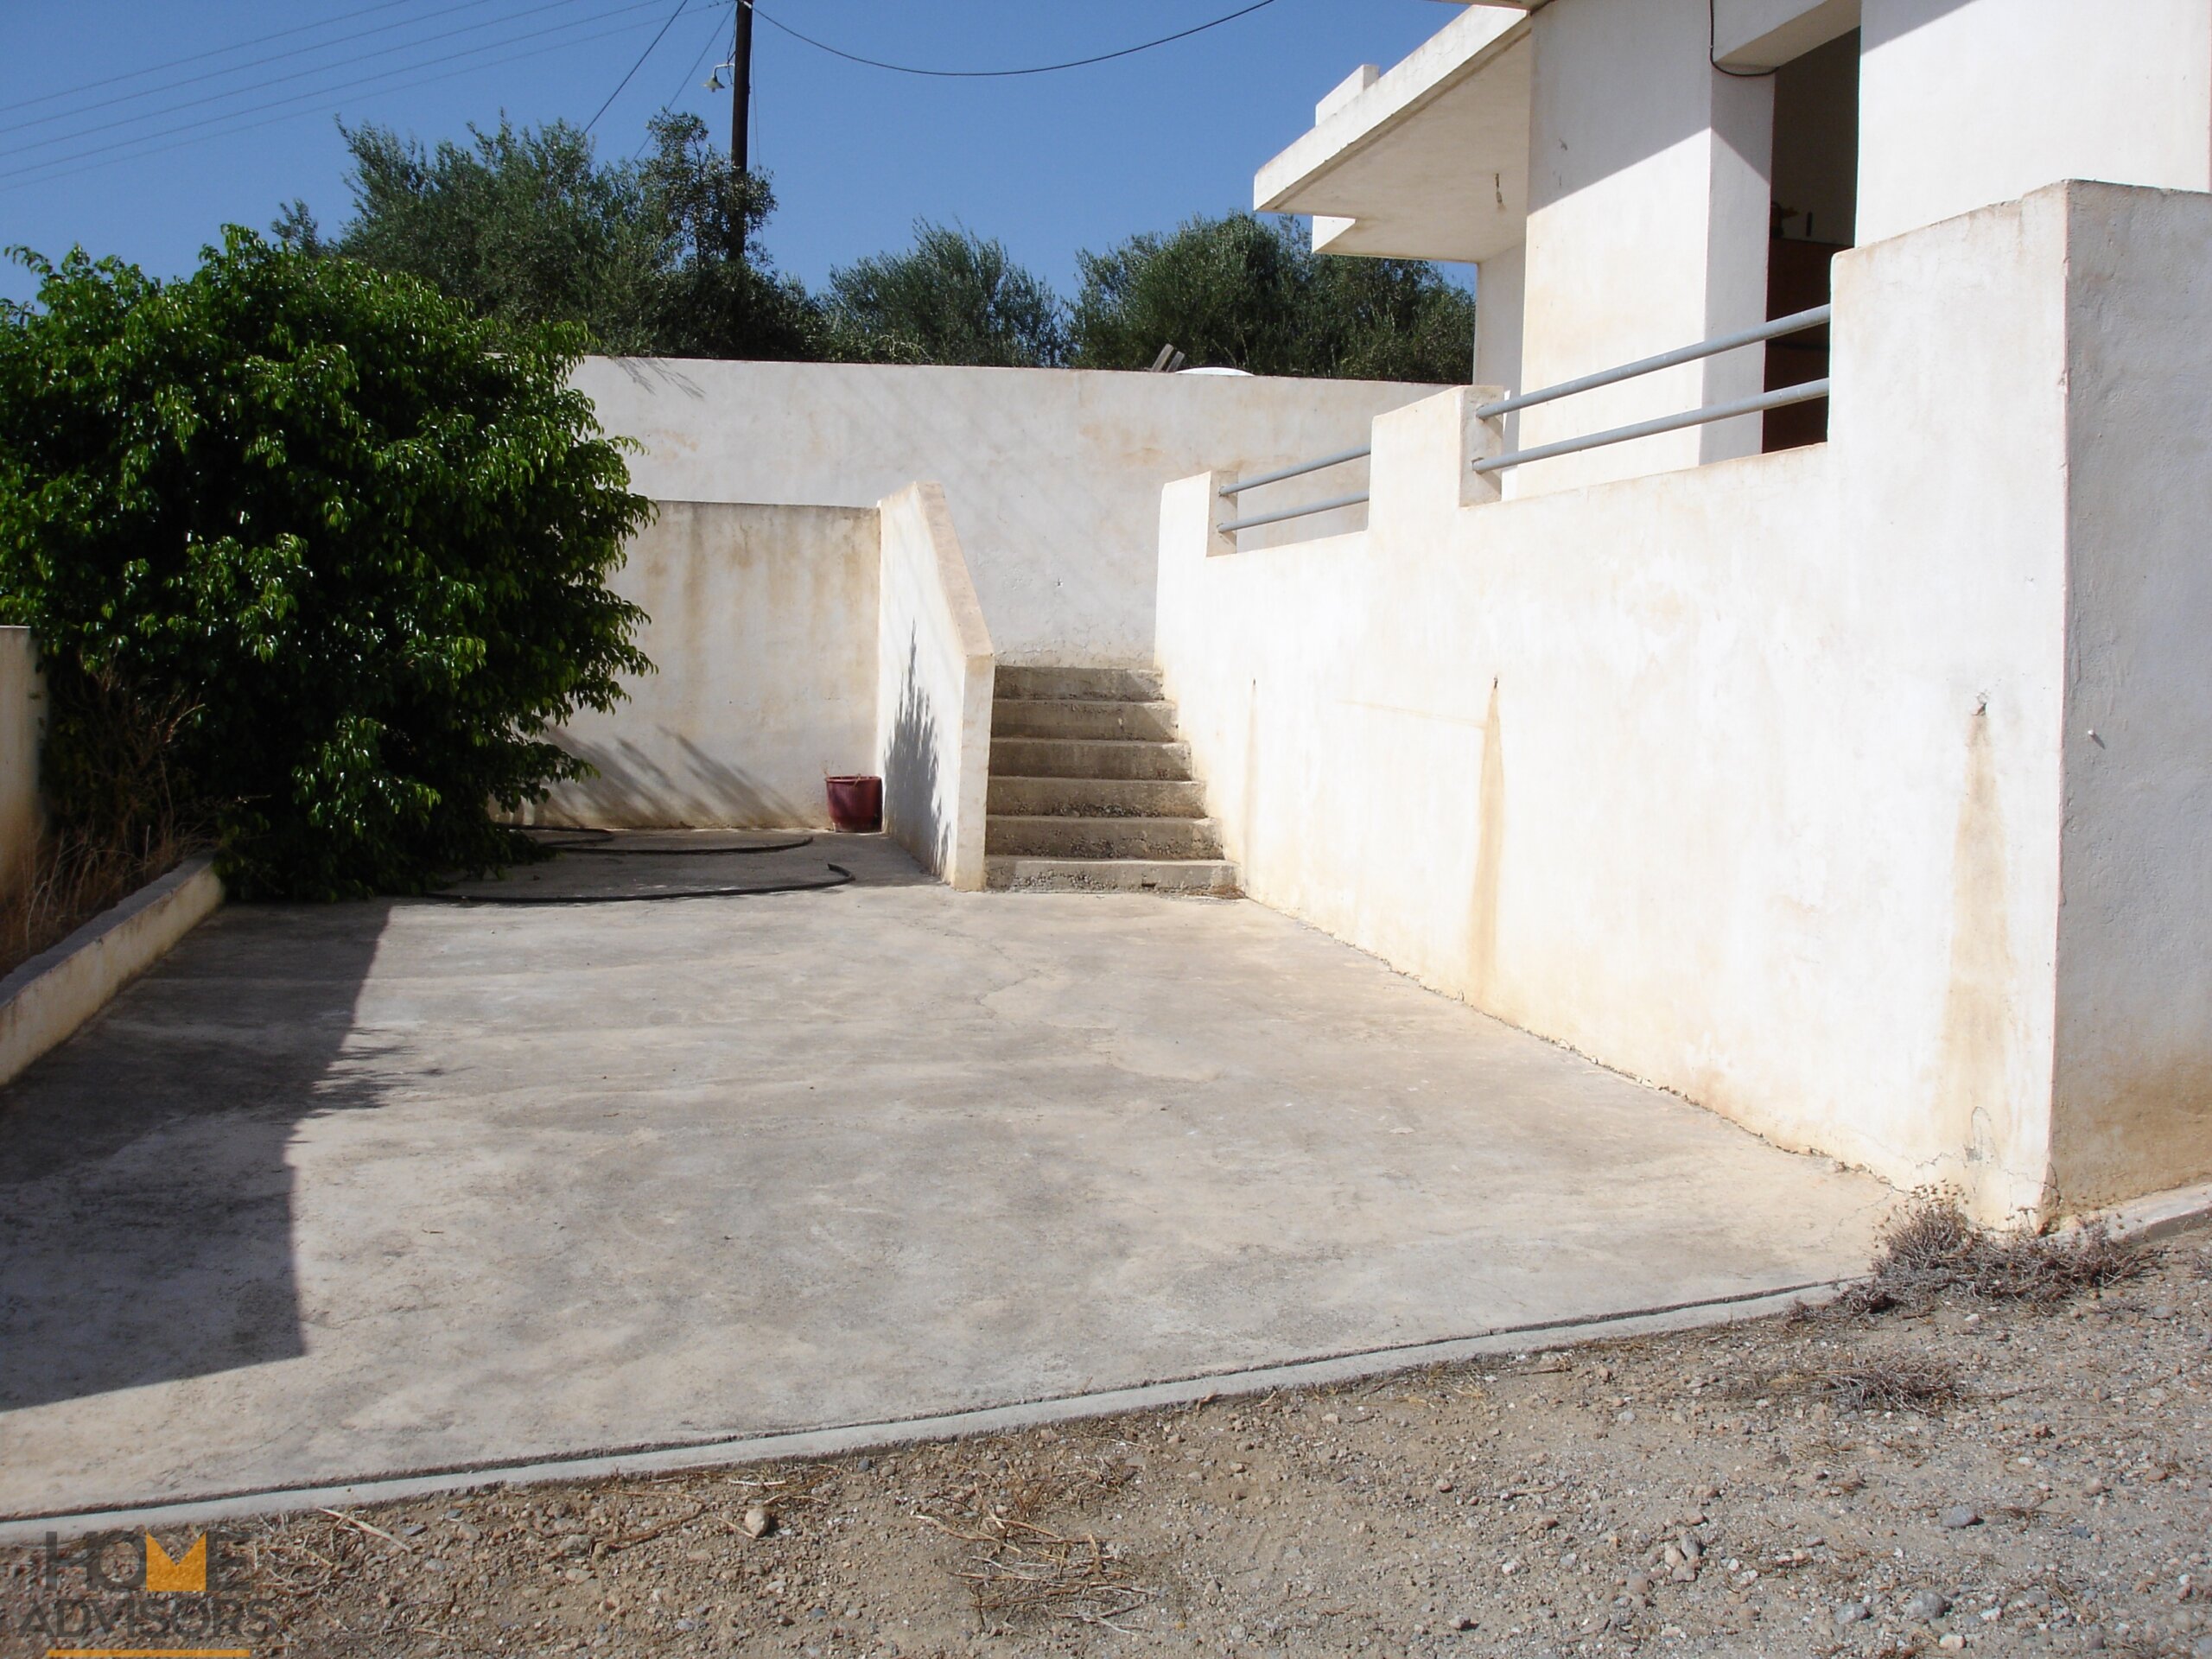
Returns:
(638, 65)
(236, 68)
(1712, 48)
(296, 74)
(998, 74)
(714, 39)
(196, 57)
(44, 172)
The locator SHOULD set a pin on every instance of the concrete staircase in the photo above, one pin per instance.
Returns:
(1089, 790)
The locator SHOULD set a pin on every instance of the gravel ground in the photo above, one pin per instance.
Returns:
(1763, 1488)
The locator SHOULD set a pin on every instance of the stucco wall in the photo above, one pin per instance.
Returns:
(764, 632)
(1966, 102)
(2134, 1088)
(933, 689)
(20, 724)
(1053, 475)
(1647, 229)
(1747, 779)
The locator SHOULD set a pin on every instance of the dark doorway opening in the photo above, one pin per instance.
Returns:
(1815, 207)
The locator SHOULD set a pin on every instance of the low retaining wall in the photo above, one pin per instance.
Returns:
(44, 1002)
(764, 632)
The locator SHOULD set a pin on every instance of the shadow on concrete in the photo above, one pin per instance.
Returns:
(146, 1219)
(911, 816)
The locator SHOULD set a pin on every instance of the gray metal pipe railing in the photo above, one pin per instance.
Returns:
(1797, 323)
(1800, 394)
(1303, 468)
(1276, 518)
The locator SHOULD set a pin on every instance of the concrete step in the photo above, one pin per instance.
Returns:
(1081, 717)
(1061, 683)
(1102, 837)
(1074, 757)
(1102, 797)
(1213, 876)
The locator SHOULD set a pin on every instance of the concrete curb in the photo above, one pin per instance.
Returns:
(862, 1437)
(2180, 1209)
(44, 1002)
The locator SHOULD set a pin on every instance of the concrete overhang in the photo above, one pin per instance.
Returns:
(1764, 34)
(1427, 161)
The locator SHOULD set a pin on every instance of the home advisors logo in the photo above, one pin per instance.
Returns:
(126, 1596)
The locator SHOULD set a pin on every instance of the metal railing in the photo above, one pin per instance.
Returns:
(1797, 323)
(1236, 486)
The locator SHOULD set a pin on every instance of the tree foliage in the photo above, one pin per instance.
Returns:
(952, 297)
(526, 226)
(664, 258)
(1238, 292)
(348, 540)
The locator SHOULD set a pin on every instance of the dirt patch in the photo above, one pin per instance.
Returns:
(2010, 1474)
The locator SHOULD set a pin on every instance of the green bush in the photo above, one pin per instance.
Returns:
(346, 542)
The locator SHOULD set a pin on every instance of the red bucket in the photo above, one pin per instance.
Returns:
(856, 805)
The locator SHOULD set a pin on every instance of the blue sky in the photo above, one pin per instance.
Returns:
(1049, 164)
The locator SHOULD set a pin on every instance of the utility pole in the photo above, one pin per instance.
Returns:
(741, 87)
(741, 102)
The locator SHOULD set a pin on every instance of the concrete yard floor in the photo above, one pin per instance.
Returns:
(336, 1193)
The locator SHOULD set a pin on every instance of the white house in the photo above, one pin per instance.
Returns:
(1844, 764)
(1819, 725)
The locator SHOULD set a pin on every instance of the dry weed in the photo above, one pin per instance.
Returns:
(1931, 1249)
(1020, 1572)
(126, 820)
(1903, 1382)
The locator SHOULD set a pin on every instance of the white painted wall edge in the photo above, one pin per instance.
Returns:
(44, 1002)
(978, 685)
(947, 617)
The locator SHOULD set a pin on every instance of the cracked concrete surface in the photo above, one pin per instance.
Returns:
(355, 1191)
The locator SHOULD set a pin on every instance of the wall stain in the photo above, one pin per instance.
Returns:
(2118, 1137)
(1973, 1101)
(1490, 854)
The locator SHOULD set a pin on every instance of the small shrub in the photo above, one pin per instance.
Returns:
(1931, 1249)
(334, 548)
(1904, 1383)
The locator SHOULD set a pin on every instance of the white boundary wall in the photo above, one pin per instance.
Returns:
(1758, 780)
(764, 634)
(1052, 475)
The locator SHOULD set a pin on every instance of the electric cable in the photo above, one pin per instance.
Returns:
(237, 68)
(611, 844)
(196, 57)
(650, 48)
(45, 171)
(714, 39)
(489, 892)
(840, 877)
(1001, 74)
(316, 69)
(1712, 48)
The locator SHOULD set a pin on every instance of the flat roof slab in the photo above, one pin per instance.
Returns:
(355, 1191)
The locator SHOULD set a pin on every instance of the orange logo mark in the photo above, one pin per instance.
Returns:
(187, 1576)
